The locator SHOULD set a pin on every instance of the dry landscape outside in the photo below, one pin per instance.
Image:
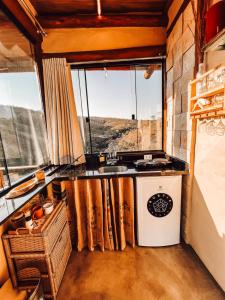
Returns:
(23, 140)
(110, 134)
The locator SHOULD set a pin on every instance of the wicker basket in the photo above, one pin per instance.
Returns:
(58, 251)
(42, 241)
(48, 250)
(31, 262)
(62, 266)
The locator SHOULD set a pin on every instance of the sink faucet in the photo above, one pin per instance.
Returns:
(111, 158)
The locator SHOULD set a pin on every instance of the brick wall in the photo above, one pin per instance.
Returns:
(180, 70)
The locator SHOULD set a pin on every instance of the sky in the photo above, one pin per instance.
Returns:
(111, 93)
(20, 89)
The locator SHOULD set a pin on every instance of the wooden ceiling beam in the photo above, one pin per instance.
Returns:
(116, 54)
(167, 6)
(16, 13)
(93, 21)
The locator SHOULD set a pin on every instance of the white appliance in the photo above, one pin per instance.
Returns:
(158, 210)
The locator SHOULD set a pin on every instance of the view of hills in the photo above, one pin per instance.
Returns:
(124, 134)
(23, 136)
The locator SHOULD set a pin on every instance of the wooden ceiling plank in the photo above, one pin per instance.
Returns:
(46, 7)
(117, 6)
(91, 21)
(116, 54)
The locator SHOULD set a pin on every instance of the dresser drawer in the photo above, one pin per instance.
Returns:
(59, 248)
(31, 262)
(52, 231)
(62, 266)
(43, 241)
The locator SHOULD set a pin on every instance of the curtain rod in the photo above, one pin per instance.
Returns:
(115, 60)
(32, 16)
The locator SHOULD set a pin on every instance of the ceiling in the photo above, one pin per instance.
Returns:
(66, 7)
(114, 13)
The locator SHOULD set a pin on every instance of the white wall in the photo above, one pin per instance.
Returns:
(208, 204)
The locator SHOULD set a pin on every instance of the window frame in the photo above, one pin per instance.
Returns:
(35, 41)
(135, 62)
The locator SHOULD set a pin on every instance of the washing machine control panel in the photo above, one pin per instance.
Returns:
(160, 205)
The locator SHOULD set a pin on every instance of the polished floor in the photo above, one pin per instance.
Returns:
(138, 274)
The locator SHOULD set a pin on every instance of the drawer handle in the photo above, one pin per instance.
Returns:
(56, 220)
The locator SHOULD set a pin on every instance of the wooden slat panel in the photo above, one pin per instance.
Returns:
(64, 6)
(128, 6)
(91, 21)
(129, 53)
(44, 7)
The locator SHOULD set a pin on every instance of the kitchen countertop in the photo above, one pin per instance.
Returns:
(83, 173)
(8, 207)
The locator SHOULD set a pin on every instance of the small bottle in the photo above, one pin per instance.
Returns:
(101, 158)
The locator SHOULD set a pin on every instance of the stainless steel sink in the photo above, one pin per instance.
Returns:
(112, 169)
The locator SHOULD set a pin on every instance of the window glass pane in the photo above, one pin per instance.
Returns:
(125, 107)
(22, 124)
(78, 78)
(149, 106)
(3, 177)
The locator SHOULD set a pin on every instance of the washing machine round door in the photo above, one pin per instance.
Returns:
(160, 205)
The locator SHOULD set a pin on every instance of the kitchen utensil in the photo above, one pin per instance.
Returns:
(48, 207)
(37, 212)
(40, 175)
(18, 219)
(22, 189)
(29, 224)
(220, 128)
(210, 127)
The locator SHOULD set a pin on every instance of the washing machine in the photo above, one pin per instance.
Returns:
(158, 210)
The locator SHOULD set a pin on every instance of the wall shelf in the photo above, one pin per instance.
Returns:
(207, 110)
(210, 93)
(210, 110)
(216, 42)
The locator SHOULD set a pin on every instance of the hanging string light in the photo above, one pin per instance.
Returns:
(99, 8)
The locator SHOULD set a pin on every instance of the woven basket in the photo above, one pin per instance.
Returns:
(43, 241)
(47, 250)
(62, 266)
(58, 251)
(32, 262)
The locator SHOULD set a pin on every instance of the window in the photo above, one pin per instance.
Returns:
(120, 108)
(22, 126)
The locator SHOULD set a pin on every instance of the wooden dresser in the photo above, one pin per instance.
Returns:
(46, 251)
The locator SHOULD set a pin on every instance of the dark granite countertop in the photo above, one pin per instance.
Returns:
(80, 173)
(8, 207)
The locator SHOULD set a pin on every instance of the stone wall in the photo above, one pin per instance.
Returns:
(180, 70)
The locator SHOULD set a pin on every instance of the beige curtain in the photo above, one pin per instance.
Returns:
(104, 211)
(63, 130)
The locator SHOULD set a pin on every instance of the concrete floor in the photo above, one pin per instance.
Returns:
(138, 274)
